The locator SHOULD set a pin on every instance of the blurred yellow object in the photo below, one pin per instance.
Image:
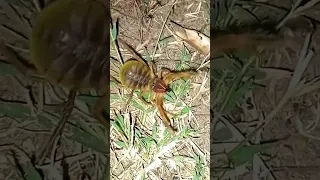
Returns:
(70, 41)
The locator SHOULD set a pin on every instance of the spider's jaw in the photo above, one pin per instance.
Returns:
(159, 86)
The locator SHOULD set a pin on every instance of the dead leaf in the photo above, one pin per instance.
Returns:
(194, 38)
(226, 42)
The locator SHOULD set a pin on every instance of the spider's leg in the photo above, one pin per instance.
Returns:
(142, 99)
(131, 50)
(116, 81)
(164, 117)
(153, 68)
(171, 76)
(154, 101)
(163, 70)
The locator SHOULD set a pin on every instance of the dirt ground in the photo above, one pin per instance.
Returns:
(24, 131)
(140, 25)
(294, 129)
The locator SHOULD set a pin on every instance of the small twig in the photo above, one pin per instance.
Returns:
(290, 15)
(163, 25)
(205, 79)
(204, 63)
(58, 130)
(132, 133)
(54, 150)
(114, 43)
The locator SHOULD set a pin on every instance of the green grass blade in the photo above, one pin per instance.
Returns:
(15, 110)
(32, 173)
(244, 154)
(89, 140)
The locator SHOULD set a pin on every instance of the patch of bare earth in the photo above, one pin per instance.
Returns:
(140, 25)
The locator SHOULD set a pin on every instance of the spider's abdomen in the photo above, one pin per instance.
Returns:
(136, 75)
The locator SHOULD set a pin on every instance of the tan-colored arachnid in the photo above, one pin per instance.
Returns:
(137, 74)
